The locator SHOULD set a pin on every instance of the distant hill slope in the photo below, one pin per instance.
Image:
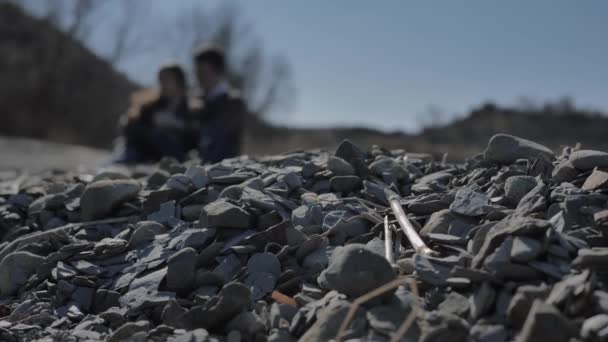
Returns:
(460, 138)
(54, 88)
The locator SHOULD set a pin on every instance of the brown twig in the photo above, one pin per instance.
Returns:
(283, 299)
(409, 320)
(365, 298)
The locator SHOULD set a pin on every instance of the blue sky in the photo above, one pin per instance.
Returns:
(382, 64)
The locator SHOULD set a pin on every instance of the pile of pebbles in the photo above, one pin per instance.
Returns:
(278, 248)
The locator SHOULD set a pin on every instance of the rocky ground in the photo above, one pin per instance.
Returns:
(292, 247)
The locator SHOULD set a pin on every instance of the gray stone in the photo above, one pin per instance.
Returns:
(308, 214)
(345, 184)
(387, 318)
(181, 270)
(433, 182)
(100, 198)
(545, 323)
(224, 214)
(470, 202)
(355, 270)
(192, 212)
(510, 226)
(384, 166)
(500, 265)
(126, 331)
(247, 323)
(317, 260)
(343, 226)
(197, 176)
(228, 267)
(516, 187)
(281, 314)
(596, 180)
(232, 300)
(431, 272)
(595, 328)
(456, 304)
(280, 335)
(109, 247)
(447, 222)
(522, 301)
(340, 167)
(15, 269)
(525, 249)
(564, 172)
(506, 149)
(165, 214)
(482, 301)
(179, 182)
(145, 231)
(328, 322)
(87, 268)
(110, 175)
(197, 335)
(105, 299)
(83, 296)
(171, 313)
(264, 262)
(195, 238)
(588, 159)
(534, 201)
(489, 333)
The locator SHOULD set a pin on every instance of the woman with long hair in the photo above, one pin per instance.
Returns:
(159, 123)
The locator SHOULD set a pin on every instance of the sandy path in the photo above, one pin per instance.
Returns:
(35, 155)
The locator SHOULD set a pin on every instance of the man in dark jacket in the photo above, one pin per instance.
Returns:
(223, 111)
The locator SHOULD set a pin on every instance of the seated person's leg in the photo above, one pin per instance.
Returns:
(168, 144)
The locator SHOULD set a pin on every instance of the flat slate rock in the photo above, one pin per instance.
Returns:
(470, 202)
(100, 198)
(596, 180)
(354, 270)
(224, 214)
(506, 149)
(588, 159)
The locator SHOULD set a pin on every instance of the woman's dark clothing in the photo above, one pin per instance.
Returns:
(147, 142)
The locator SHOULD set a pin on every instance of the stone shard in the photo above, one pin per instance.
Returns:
(354, 156)
(596, 180)
(340, 167)
(181, 270)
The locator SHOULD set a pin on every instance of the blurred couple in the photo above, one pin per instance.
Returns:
(170, 123)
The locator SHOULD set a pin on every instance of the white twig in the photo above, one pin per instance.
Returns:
(388, 241)
(406, 226)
